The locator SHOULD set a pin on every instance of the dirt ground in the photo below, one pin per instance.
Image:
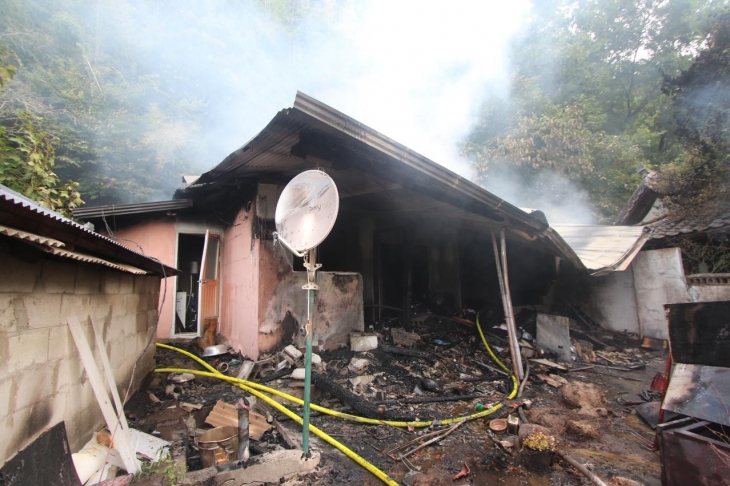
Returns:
(586, 415)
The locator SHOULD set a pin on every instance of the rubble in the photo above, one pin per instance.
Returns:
(586, 397)
(358, 365)
(363, 342)
(425, 382)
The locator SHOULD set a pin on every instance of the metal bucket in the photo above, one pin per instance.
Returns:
(218, 446)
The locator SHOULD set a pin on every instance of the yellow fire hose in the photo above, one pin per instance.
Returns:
(256, 389)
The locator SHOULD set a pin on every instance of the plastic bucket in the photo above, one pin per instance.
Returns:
(218, 446)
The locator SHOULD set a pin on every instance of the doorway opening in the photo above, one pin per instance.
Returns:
(189, 255)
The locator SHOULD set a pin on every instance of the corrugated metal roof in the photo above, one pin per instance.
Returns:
(361, 161)
(73, 255)
(23, 214)
(89, 212)
(604, 249)
(54, 247)
(33, 238)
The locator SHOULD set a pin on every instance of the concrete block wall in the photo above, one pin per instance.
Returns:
(42, 379)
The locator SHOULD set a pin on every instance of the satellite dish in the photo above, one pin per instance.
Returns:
(306, 211)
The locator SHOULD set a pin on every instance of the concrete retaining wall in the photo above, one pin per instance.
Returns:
(42, 380)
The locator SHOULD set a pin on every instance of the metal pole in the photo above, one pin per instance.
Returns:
(514, 351)
(511, 315)
(311, 287)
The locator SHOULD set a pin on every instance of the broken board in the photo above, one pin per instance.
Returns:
(226, 415)
(46, 461)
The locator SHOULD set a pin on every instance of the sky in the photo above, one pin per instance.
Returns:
(417, 72)
(414, 71)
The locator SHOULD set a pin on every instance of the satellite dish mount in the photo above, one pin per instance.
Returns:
(305, 214)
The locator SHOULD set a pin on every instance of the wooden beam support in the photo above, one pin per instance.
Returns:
(514, 346)
(122, 441)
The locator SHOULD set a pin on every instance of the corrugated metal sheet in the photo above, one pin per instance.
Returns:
(604, 249)
(699, 391)
(73, 255)
(33, 238)
(360, 161)
(89, 212)
(19, 212)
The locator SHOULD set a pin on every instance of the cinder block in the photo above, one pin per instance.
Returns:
(126, 283)
(100, 307)
(298, 374)
(140, 284)
(59, 277)
(6, 392)
(129, 328)
(110, 282)
(363, 342)
(118, 303)
(116, 350)
(88, 280)
(152, 318)
(8, 319)
(130, 348)
(32, 385)
(15, 432)
(358, 365)
(144, 301)
(131, 303)
(24, 275)
(61, 344)
(43, 310)
(80, 396)
(69, 373)
(75, 305)
(27, 348)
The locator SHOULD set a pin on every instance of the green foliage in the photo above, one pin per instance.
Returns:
(586, 94)
(118, 130)
(27, 160)
(700, 96)
(712, 256)
(166, 470)
(7, 69)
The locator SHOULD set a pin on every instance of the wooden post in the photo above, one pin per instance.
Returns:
(122, 440)
(514, 346)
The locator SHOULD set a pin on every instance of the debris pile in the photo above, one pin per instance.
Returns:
(439, 391)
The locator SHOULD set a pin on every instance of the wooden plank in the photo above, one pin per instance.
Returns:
(549, 364)
(121, 438)
(226, 415)
(109, 376)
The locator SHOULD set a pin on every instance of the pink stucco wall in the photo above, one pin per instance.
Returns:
(156, 239)
(239, 319)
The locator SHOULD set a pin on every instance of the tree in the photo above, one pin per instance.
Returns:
(27, 157)
(27, 160)
(585, 96)
(701, 100)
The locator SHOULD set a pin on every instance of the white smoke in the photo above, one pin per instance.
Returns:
(415, 71)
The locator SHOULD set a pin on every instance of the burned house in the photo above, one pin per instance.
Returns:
(55, 269)
(410, 235)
